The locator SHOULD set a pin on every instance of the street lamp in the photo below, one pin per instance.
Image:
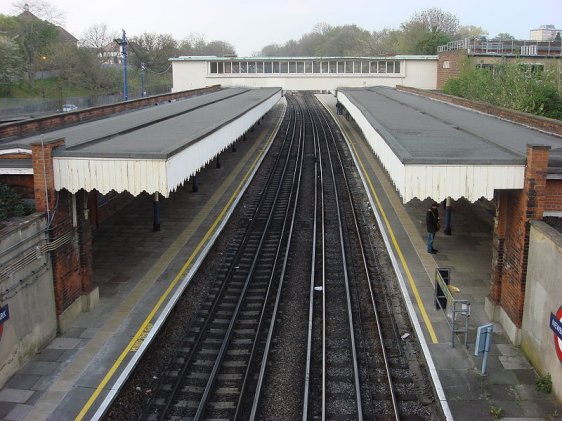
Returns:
(123, 42)
(142, 79)
(44, 59)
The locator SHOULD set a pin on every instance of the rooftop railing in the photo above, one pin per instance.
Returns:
(478, 46)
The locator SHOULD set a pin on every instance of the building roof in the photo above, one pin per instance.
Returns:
(383, 57)
(434, 149)
(151, 149)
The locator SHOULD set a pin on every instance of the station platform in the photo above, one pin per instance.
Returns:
(139, 271)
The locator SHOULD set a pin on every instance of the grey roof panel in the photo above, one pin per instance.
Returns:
(155, 132)
(422, 130)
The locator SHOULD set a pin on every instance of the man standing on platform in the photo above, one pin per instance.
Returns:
(432, 223)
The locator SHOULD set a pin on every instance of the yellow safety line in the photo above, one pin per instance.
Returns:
(397, 247)
(141, 329)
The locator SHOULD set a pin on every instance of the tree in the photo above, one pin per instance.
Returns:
(384, 42)
(33, 37)
(11, 61)
(195, 45)
(153, 50)
(42, 10)
(11, 204)
(425, 28)
(220, 48)
(192, 45)
(325, 40)
(346, 41)
(429, 41)
(97, 38)
(470, 31)
(504, 36)
(434, 19)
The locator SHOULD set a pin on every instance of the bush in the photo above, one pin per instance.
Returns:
(513, 86)
(544, 383)
(11, 204)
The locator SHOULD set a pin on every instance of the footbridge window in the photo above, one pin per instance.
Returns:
(306, 67)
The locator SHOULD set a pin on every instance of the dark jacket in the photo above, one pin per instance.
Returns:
(432, 220)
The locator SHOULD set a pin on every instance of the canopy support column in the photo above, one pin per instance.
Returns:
(195, 187)
(156, 213)
(448, 211)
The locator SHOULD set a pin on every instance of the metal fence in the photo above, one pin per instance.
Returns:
(21, 108)
(510, 47)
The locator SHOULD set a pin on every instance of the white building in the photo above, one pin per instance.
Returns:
(545, 33)
(304, 73)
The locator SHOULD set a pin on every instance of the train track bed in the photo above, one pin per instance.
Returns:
(305, 331)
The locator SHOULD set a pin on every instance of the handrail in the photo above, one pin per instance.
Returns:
(444, 298)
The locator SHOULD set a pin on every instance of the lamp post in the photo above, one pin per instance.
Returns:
(142, 79)
(123, 42)
(44, 59)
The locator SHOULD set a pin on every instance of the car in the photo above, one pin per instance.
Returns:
(66, 108)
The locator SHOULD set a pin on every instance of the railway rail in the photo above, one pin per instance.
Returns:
(303, 319)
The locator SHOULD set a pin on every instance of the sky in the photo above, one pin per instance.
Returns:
(250, 25)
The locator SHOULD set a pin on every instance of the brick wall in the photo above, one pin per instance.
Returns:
(44, 124)
(553, 196)
(498, 244)
(511, 234)
(43, 179)
(65, 260)
(21, 183)
(449, 65)
(72, 260)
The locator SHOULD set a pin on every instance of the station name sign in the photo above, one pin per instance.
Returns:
(556, 326)
(4, 315)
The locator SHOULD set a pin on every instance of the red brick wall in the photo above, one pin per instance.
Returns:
(498, 245)
(71, 261)
(553, 196)
(449, 65)
(22, 184)
(44, 124)
(65, 260)
(43, 180)
(515, 209)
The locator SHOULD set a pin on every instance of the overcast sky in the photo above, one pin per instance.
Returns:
(252, 24)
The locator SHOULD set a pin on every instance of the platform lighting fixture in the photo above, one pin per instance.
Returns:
(123, 42)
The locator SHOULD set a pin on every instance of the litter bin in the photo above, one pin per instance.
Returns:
(440, 297)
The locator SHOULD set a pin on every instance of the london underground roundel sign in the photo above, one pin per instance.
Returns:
(4, 315)
(556, 326)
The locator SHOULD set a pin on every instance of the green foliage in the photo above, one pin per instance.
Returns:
(429, 41)
(517, 86)
(326, 41)
(496, 412)
(544, 383)
(11, 61)
(11, 204)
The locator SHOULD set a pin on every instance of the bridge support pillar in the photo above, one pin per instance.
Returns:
(156, 213)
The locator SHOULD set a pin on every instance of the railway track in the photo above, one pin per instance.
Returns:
(302, 320)
(210, 369)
